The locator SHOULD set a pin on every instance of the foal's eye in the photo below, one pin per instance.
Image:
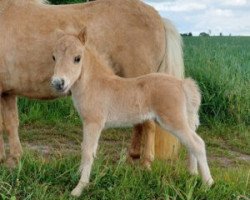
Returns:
(53, 57)
(77, 59)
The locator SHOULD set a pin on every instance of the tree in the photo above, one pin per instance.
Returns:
(204, 34)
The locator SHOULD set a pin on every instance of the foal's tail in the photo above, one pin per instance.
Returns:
(193, 101)
(173, 60)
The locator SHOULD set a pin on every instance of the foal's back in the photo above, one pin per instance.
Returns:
(140, 98)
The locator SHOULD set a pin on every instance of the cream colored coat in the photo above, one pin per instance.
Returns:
(105, 100)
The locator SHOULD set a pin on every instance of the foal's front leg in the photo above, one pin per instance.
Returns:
(92, 132)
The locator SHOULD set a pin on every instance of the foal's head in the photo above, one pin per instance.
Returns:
(68, 57)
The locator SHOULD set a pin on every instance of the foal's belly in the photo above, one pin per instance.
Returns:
(128, 119)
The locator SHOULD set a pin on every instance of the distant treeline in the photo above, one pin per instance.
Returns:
(190, 34)
(201, 34)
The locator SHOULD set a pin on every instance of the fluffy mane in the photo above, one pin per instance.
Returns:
(100, 60)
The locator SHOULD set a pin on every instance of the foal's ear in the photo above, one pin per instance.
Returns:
(83, 35)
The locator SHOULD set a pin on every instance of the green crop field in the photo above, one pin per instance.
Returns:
(51, 134)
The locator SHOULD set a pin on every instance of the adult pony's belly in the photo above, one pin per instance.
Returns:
(130, 34)
(42, 92)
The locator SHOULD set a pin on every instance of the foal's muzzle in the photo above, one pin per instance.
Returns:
(58, 84)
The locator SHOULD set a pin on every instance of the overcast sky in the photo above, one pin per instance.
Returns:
(226, 16)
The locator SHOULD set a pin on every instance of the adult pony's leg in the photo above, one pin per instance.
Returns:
(135, 148)
(147, 130)
(149, 143)
(92, 132)
(2, 150)
(11, 123)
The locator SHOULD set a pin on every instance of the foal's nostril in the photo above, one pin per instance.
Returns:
(58, 84)
(62, 82)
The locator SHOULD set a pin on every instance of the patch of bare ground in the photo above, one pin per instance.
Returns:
(64, 139)
(227, 161)
(51, 141)
(227, 155)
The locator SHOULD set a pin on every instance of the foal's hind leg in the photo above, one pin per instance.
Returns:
(192, 164)
(193, 120)
(196, 148)
(2, 150)
(11, 123)
(193, 143)
(92, 131)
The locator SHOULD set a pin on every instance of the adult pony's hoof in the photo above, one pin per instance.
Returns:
(135, 155)
(147, 164)
(78, 189)
(11, 162)
(130, 160)
(2, 158)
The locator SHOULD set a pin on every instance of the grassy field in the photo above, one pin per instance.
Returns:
(51, 136)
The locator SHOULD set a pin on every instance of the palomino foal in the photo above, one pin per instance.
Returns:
(106, 100)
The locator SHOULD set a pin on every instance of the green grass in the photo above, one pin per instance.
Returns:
(48, 112)
(51, 135)
(221, 65)
(52, 173)
(38, 178)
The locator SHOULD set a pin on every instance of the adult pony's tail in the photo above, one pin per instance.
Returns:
(193, 101)
(173, 60)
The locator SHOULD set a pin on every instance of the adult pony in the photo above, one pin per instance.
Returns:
(130, 33)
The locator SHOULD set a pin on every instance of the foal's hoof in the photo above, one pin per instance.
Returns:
(76, 193)
(78, 189)
(194, 172)
(210, 182)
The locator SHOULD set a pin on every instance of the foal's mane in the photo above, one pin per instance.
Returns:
(100, 60)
